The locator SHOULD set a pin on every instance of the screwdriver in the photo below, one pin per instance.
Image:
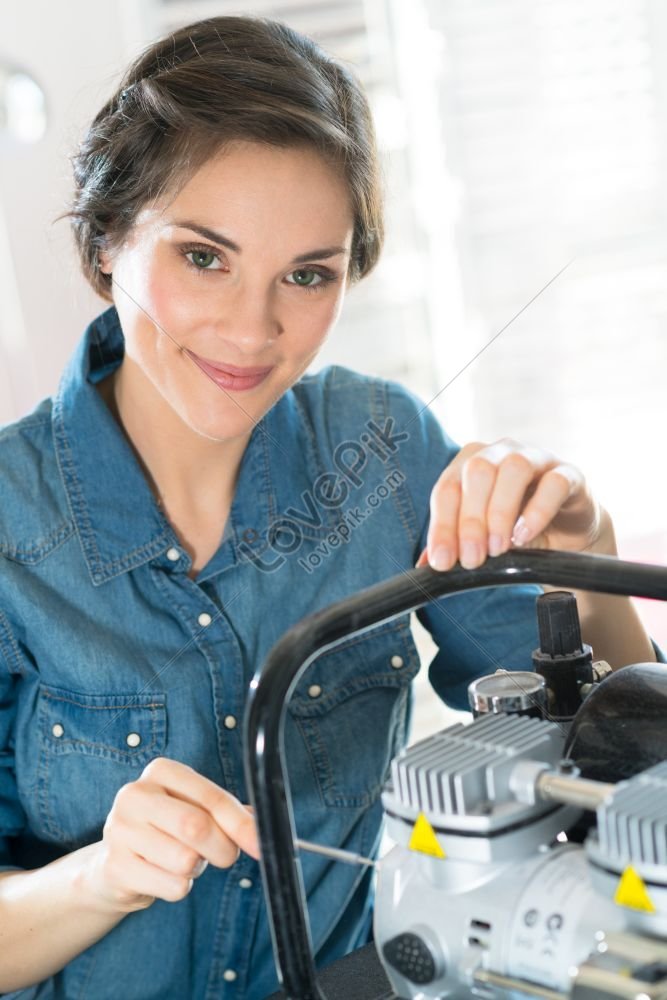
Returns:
(335, 853)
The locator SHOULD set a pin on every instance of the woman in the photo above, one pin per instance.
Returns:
(188, 494)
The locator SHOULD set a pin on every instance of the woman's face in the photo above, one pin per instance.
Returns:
(226, 292)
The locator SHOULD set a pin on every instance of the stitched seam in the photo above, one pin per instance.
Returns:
(316, 468)
(106, 707)
(318, 757)
(400, 626)
(115, 567)
(35, 553)
(317, 707)
(61, 747)
(28, 422)
(44, 807)
(225, 757)
(144, 552)
(10, 648)
(401, 497)
(323, 769)
(75, 499)
(268, 484)
(79, 511)
(305, 424)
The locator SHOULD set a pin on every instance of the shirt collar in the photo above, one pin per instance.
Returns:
(118, 521)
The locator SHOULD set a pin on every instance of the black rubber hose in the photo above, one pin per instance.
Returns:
(273, 684)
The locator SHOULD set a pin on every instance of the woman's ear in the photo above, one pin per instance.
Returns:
(104, 262)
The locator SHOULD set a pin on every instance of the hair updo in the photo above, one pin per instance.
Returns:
(217, 81)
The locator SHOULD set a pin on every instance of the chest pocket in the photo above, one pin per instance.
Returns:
(350, 712)
(91, 745)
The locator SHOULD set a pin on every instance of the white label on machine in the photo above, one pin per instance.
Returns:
(542, 941)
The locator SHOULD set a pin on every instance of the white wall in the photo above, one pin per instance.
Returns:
(75, 51)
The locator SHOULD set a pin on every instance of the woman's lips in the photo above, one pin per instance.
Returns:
(230, 376)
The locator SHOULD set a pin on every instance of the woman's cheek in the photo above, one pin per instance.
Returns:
(338, 304)
(168, 302)
(326, 317)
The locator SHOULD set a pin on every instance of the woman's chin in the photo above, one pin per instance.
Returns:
(218, 428)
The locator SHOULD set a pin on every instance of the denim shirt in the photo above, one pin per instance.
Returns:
(112, 655)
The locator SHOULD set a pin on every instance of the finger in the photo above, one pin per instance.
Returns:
(516, 474)
(144, 804)
(478, 477)
(554, 489)
(134, 876)
(228, 814)
(163, 851)
(423, 559)
(188, 824)
(442, 541)
(445, 501)
(459, 519)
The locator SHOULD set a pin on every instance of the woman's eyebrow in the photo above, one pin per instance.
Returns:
(303, 258)
(208, 234)
(211, 234)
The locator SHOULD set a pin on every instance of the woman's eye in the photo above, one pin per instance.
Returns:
(202, 259)
(306, 278)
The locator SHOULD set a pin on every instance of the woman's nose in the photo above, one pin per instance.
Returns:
(249, 321)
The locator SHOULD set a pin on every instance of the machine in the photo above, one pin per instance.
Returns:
(530, 855)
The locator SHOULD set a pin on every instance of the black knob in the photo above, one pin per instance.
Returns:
(565, 662)
(558, 624)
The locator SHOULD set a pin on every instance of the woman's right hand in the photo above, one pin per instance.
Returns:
(160, 834)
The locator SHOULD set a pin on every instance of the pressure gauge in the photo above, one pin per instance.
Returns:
(512, 691)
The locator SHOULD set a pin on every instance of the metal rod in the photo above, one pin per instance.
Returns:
(573, 791)
(335, 853)
(272, 686)
(484, 978)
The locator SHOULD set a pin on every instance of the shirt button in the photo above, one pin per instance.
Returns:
(397, 662)
(314, 690)
(204, 619)
(133, 739)
(230, 722)
(173, 554)
(57, 730)
(245, 883)
(229, 975)
(249, 535)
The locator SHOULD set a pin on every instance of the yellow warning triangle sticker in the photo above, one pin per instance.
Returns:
(423, 838)
(631, 892)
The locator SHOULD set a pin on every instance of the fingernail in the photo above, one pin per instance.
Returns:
(496, 545)
(471, 555)
(441, 559)
(521, 534)
(200, 867)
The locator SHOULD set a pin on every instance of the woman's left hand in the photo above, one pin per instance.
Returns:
(491, 497)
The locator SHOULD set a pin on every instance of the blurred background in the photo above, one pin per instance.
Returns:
(518, 137)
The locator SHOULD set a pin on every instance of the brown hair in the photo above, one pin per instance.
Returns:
(194, 91)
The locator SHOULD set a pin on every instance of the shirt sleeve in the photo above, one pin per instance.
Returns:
(478, 631)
